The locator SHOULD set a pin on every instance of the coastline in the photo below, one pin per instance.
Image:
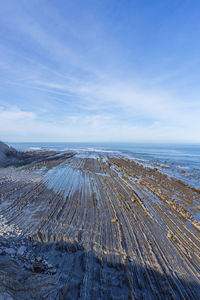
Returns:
(108, 226)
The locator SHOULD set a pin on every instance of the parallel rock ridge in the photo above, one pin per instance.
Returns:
(97, 228)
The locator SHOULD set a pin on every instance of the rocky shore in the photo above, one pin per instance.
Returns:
(81, 227)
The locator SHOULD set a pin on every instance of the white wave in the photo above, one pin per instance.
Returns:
(182, 167)
(90, 150)
(101, 150)
(35, 148)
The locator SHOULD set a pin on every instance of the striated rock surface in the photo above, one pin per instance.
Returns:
(100, 227)
(10, 156)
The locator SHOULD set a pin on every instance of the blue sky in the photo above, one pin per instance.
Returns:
(100, 70)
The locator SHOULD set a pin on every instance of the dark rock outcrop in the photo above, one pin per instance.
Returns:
(8, 154)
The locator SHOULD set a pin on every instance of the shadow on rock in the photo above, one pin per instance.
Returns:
(62, 270)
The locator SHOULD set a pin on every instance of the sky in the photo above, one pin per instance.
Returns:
(100, 71)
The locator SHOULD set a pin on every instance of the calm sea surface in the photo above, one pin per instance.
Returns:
(180, 161)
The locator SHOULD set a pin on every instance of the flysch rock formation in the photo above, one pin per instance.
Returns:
(97, 227)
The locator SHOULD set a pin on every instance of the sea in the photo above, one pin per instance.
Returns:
(176, 160)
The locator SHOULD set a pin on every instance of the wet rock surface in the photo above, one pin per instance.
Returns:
(97, 228)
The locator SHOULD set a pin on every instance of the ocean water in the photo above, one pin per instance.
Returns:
(180, 161)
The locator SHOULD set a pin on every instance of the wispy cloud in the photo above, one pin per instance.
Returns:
(67, 78)
(15, 114)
